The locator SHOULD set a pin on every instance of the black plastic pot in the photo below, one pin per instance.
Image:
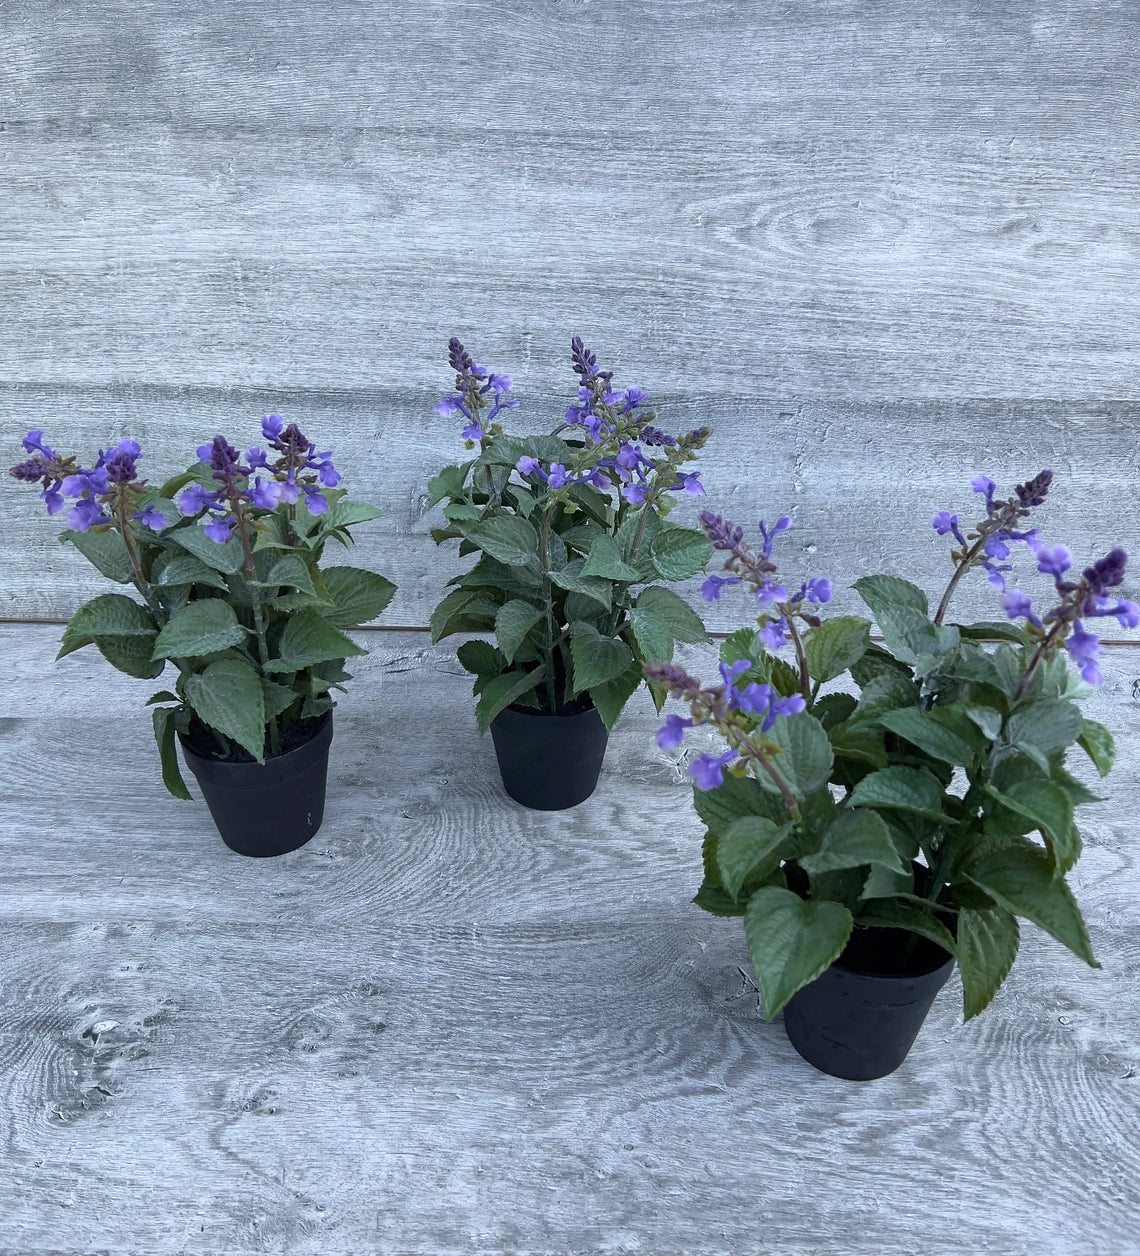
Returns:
(549, 762)
(859, 1019)
(271, 808)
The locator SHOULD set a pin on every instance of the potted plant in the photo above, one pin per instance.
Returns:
(226, 562)
(872, 834)
(573, 551)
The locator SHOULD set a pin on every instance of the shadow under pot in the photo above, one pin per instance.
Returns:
(860, 1018)
(270, 808)
(549, 762)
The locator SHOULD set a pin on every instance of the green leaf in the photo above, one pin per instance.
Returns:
(1097, 742)
(291, 571)
(678, 553)
(596, 659)
(653, 635)
(358, 596)
(905, 788)
(883, 914)
(610, 698)
(183, 568)
(131, 655)
(105, 551)
(929, 731)
(749, 846)
(909, 635)
(1050, 809)
(462, 610)
(1020, 878)
(228, 558)
(836, 645)
(108, 615)
(279, 698)
(1047, 725)
(876, 662)
(309, 638)
(855, 837)
(805, 759)
(201, 628)
(481, 658)
(514, 620)
(993, 630)
(739, 796)
(571, 579)
(988, 939)
(507, 538)
(887, 593)
(343, 514)
(683, 622)
(792, 941)
(228, 696)
(502, 690)
(163, 718)
(448, 483)
(605, 562)
(986, 719)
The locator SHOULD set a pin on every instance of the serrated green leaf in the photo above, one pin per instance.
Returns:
(343, 514)
(227, 558)
(792, 941)
(611, 697)
(597, 659)
(291, 571)
(904, 788)
(507, 538)
(993, 630)
(228, 696)
(448, 483)
(1050, 810)
(1020, 878)
(988, 939)
(181, 568)
(605, 562)
(887, 691)
(678, 553)
(110, 615)
(514, 620)
(856, 836)
(930, 733)
(749, 846)
(571, 579)
(309, 638)
(105, 551)
(684, 622)
(204, 627)
(462, 610)
(1097, 742)
(884, 593)
(358, 596)
(883, 914)
(653, 635)
(278, 698)
(163, 719)
(481, 658)
(738, 796)
(806, 756)
(502, 690)
(835, 646)
(1050, 724)
(986, 719)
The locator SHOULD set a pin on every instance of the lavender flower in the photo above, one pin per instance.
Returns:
(672, 733)
(150, 518)
(707, 771)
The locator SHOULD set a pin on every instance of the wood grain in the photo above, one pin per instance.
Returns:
(452, 1025)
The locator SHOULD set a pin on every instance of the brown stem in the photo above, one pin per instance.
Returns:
(994, 524)
(1044, 648)
(797, 643)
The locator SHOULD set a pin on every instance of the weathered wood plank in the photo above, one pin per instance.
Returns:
(450, 1024)
(860, 480)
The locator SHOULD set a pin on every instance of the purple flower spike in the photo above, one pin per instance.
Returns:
(672, 733)
(708, 772)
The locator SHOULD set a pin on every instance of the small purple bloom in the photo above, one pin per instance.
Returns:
(473, 432)
(84, 513)
(1053, 562)
(194, 498)
(996, 547)
(774, 634)
(328, 475)
(34, 444)
(944, 522)
(690, 482)
(633, 493)
(527, 465)
(53, 501)
(633, 398)
(730, 671)
(714, 585)
(265, 494)
(499, 383)
(769, 594)
(93, 482)
(289, 492)
(150, 518)
(670, 736)
(1127, 614)
(818, 590)
(316, 503)
(1018, 605)
(204, 452)
(558, 477)
(1084, 649)
(792, 705)
(219, 530)
(708, 772)
(753, 698)
(257, 459)
(781, 525)
(272, 425)
(984, 485)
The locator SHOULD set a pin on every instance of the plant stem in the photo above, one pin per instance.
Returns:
(797, 643)
(544, 555)
(1040, 653)
(994, 524)
(258, 613)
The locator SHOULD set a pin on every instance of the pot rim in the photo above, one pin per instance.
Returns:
(324, 723)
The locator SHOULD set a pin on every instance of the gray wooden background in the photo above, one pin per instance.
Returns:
(879, 246)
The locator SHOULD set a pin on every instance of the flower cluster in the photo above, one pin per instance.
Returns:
(1086, 598)
(475, 389)
(101, 493)
(738, 713)
(989, 543)
(297, 473)
(757, 570)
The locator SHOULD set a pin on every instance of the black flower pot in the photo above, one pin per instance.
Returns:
(549, 762)
(271, 808)
(859, 1019)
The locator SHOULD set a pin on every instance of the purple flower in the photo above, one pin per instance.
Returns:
(714, 585)
(53, 500)
(598, 479)
(219, 530)
(730, 671)
(1084, 649)
(818, 590)
(708, 772)
(781, 525)
(769, 594)
(996, 547)
(1053, 562)
(265, 494)
(150, 518)
(774, 634)
(498, 383)
(451, 405)
(673, 732)
(194, 498)
(558, 477)
(944, 522)
(257, 459)
(272, 425)
(984, 485)
(633, 493)
(527, 465)
(289, 491)
(690, 482)
(316, 503)
(93, 482)
(84, 513)
(1018, 605)
(472, 431)
(1127, 614)
(34, 444)
(328, 475)
(632, 398)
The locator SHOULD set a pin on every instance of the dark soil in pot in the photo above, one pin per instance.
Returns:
(271, 808)
(550, 761)
(860, 1018)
